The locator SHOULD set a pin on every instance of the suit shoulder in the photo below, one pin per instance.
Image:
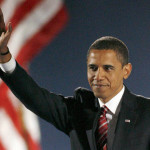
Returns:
(138, 97)
(143, 98)
(143, 101)
(80, 91)
(83, 95)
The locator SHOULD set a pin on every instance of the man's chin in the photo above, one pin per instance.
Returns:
(101, 97)
(98, 95)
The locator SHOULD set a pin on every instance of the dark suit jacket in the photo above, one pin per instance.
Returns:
(77, 116)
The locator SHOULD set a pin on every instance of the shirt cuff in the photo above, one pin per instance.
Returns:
(9, 67)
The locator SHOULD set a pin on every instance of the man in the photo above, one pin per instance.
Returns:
(108, 117)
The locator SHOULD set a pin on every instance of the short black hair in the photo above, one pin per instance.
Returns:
(109, 42)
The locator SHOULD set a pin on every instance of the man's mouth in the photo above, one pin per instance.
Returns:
(100, 85)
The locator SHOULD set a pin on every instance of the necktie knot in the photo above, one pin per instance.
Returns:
(104, 110)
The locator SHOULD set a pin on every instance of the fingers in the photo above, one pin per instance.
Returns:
(8, 32)
(1, 12)
(9, 27)
(2, 24)
(4, 38)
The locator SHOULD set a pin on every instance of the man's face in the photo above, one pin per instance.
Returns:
(105, 73)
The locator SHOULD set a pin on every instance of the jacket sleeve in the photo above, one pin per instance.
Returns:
(45, 104)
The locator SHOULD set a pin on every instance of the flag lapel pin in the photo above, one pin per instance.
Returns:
(127, 120)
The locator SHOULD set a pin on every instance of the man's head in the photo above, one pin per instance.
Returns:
(107, 66)
(109, 42)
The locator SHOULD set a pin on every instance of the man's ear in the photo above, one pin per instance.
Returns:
(127, 70)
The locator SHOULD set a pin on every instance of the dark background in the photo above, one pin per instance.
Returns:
(61, 66)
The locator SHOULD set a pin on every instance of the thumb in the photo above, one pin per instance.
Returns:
(2, 24)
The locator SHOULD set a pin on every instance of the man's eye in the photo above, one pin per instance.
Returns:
(93, 68)
(108, 68)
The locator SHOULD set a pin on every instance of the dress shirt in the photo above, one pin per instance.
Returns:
(112, 104)
(8, 67)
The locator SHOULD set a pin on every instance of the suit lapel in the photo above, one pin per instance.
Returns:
(126, 119)
(112, 127)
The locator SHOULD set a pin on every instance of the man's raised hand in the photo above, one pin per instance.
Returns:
(4, 38)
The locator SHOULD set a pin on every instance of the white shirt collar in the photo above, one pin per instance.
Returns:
(113, 103)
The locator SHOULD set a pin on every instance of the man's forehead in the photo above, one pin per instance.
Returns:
(103, 57)
(102, 50)
(100, 54)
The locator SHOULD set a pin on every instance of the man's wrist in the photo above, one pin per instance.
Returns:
(4, 53)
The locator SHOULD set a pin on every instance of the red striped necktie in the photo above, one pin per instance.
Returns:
(101, 135)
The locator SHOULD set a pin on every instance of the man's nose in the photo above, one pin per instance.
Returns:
(100, 74)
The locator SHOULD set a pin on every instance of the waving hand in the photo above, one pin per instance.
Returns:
(4, 38)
